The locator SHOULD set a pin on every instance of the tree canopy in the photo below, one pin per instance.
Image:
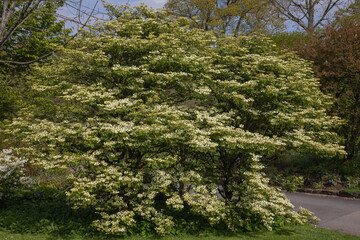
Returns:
(28, 31)
(351, 11)
(231, 17)
(150, 118)
(335, 54)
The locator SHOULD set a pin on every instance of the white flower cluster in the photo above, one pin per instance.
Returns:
(205, 202)
(12, 172)
(264, 202)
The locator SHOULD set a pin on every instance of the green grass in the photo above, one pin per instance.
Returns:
(45, 214)
(352, 190)
(47, 217)
(288, 233)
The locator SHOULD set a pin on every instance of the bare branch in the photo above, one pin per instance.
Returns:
(24, 14)
(28, 62)
(7, 12)
(326, 11)
(309, 10)
(52, 52)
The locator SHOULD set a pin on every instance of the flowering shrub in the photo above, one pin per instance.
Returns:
(150, 118)
(12, 172)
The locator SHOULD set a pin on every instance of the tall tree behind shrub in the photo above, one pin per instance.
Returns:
(151, 118)
(288, 40)
(308, 15)
(29, 31)
(336, 57)
(236, 17)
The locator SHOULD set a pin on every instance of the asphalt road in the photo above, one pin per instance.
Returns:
(335, 213)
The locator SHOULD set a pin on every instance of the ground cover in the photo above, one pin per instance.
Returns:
(46, 215)
(288, 233)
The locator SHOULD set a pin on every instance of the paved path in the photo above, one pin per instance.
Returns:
(339, 214)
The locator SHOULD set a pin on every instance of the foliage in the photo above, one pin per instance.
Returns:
(353, 191)
(12, 173)
(352, 168)
(36, 34)
(288, 40)
(150, 117)
(47, 212)
(331, 179)
(232, 17)
(352, 182)
(352, 11)
(33, 38)
(290, 183)
(317, 185)
(335, 54)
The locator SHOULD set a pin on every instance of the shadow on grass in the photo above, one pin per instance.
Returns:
(285, 232)
(47, 216)
(54, 217)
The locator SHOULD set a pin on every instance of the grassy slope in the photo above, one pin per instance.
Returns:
(49, 217)
(288, 233)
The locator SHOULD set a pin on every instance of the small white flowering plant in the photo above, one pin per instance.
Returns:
(12, 173)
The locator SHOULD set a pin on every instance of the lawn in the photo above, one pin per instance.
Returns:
(287, 233)
(48, 217)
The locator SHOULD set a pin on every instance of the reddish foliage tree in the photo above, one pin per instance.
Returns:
(336, 57)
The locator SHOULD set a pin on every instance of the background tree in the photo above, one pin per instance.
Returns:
(29, 30)
(336, 55)
(21, 20)
(288, 40)
(233, 17)
(24, 8)
(308, 14)
(352, 11)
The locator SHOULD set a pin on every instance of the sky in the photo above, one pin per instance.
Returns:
(152, 3)
(88, 5)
